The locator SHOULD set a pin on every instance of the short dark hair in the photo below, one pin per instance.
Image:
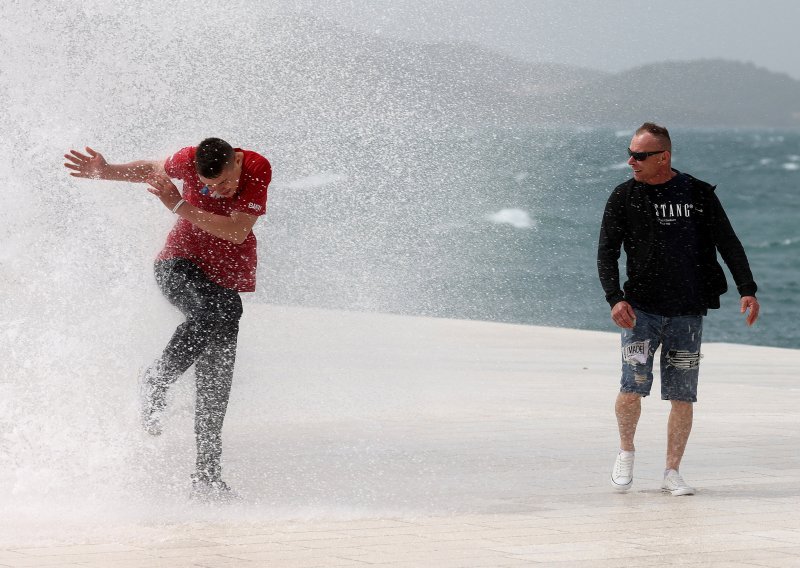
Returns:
(212, 156)
(658, 131)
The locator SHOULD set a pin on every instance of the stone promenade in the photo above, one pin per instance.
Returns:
(366, 440)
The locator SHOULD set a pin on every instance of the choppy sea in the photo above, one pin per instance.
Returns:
(503, 225)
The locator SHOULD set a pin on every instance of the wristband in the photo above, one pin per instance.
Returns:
(178, 205)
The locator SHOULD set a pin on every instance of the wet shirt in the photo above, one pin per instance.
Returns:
(225, 263)
(676, 289)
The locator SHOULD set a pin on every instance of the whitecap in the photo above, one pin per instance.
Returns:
(517, 218)
(312, 181)
(781, 243)
(520, 177)
(791, 166)
(623, 133)
(765, 161)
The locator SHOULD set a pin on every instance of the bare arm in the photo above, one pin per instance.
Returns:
(94, 166)
(233, 229)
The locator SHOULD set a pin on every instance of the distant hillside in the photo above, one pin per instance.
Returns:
(319, 70)
(307, 78)
(334, 72)
(690, 93)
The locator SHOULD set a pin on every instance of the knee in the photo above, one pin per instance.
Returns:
(682, 405)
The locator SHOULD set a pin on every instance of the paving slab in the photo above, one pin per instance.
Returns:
(362, 439)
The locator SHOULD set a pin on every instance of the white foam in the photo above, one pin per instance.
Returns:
(517, 218)
(312, 181)
(791, 166)
(520, 177)
(783, 242)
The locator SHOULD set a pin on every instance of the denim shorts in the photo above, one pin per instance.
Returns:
(679, 338)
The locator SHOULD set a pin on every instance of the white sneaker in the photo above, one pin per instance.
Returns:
(622, 476)
(212, 491)
(674, 483)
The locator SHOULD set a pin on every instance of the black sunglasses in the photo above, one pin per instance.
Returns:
(642, 156)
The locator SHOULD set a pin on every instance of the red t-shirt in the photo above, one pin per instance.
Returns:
(225, 263)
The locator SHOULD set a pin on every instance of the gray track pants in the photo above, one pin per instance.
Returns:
(206, 339)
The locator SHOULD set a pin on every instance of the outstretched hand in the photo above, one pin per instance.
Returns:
(91, 166)
(749, 303)
(163, 188)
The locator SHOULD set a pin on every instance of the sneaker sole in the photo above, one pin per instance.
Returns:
(619, 487)
(152, 429)
(678, 492)
(205, 496)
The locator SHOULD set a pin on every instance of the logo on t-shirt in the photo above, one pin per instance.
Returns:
(254, 206)
(669, 213)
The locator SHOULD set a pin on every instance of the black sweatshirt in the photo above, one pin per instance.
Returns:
(630, 221)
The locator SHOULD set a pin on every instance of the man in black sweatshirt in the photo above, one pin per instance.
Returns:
(671, 226)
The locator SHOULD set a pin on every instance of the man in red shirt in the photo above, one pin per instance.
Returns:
(208, 259)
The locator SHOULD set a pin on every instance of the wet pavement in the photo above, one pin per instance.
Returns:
(374, 440)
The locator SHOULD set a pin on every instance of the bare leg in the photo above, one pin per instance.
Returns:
(678, 430)
(628, 408)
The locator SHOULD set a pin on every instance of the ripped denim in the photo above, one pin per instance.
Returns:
(679, 338)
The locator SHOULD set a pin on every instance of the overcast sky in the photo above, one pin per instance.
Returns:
(610, 35)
